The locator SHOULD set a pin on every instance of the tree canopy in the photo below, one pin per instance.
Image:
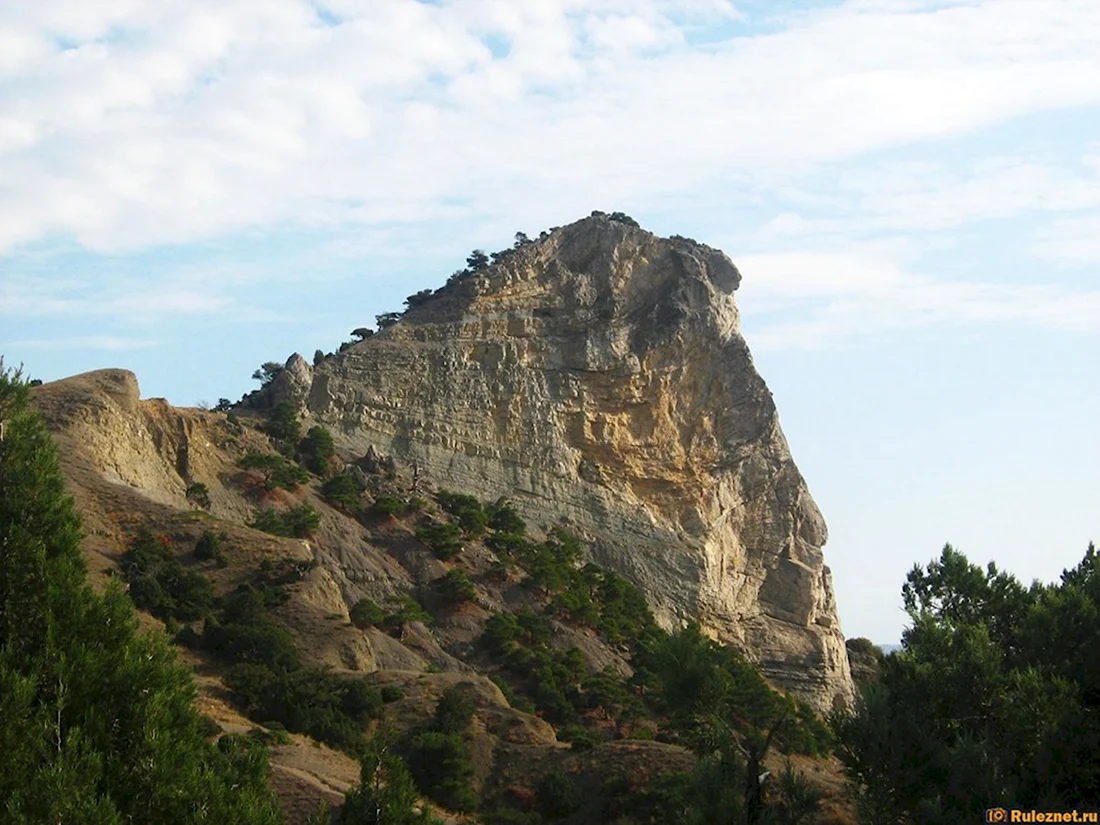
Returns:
(994, 699)
(98, 725)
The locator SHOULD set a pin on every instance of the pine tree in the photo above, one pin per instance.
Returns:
(98, 719)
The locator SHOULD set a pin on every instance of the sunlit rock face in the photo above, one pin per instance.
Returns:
(598, 378)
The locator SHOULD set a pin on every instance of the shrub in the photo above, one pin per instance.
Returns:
(366, 613)
(198, 494)
(441, 766)
(558, 795)
(797, 798)
(389, 505)
(442, 538)
(317, 449)
(159, 584)
(209, 547)
(314, 701)
(504, 519)
(623, 218)
(580, 738)
(391, 693)
(387, 319)
(342, 491)
(276, 470)
(406, 609)
(421, 297)
(471, 516)
(477, 260)
(456, 587)
(267, 373)
(455, 710)
(299, 521)
(282, 424)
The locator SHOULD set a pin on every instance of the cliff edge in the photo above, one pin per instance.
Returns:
(598, 377)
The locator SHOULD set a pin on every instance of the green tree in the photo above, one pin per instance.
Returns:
(387, 319)
(342, 491)
(366, 613)
(419, 298)
(455, 586)
(276, 470)
(283, 425)
(386, 794)
(455, 710)
(477, 260)
(318, 449)
(993, 699)
(267, 373)
(99, 724)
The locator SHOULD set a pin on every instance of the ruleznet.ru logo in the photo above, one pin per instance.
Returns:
(1017, 815)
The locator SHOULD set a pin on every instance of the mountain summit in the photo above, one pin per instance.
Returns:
(597, 377)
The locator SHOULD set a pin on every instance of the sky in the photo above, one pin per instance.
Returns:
(911, 190)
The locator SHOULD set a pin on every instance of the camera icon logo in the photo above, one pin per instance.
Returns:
(996, 815)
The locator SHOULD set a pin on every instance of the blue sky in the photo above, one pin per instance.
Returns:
(911, 190)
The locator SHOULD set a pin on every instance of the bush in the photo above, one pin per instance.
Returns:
(276, 470)
(623, 218)
(198, 494)
(299, 521)
(442, 538)
(441, 766)
(317, 449)
(504, 519)
(421, 297)
(209, 547)
(456, 587)
(159, 584)
(471, 516)
(558, 795)
(406, 609)
(391, 693)
(313, 701)
(282, 424)
(387, 319)
(580, 738)
(389, 505)
(366, 613)
(455, 710)
(342, 491)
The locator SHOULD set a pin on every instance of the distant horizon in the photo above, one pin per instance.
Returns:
(910, 190)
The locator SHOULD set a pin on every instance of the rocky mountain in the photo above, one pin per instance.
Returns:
(599, 378)
(589, 397)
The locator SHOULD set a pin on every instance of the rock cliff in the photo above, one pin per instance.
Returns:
(598, 377)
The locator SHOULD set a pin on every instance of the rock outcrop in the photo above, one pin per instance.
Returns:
(598, 377)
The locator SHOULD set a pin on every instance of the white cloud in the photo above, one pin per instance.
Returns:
(180, 120)
(112, 343)
(828, 299)
(1072, 240)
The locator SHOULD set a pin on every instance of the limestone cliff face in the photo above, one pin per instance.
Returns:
(598, 377)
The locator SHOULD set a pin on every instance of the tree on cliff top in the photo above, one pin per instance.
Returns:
(98, 725)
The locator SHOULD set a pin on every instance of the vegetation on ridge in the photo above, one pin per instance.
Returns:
(994, 699)
(99, 725)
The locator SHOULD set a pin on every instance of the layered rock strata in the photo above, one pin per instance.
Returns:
(599, 378)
